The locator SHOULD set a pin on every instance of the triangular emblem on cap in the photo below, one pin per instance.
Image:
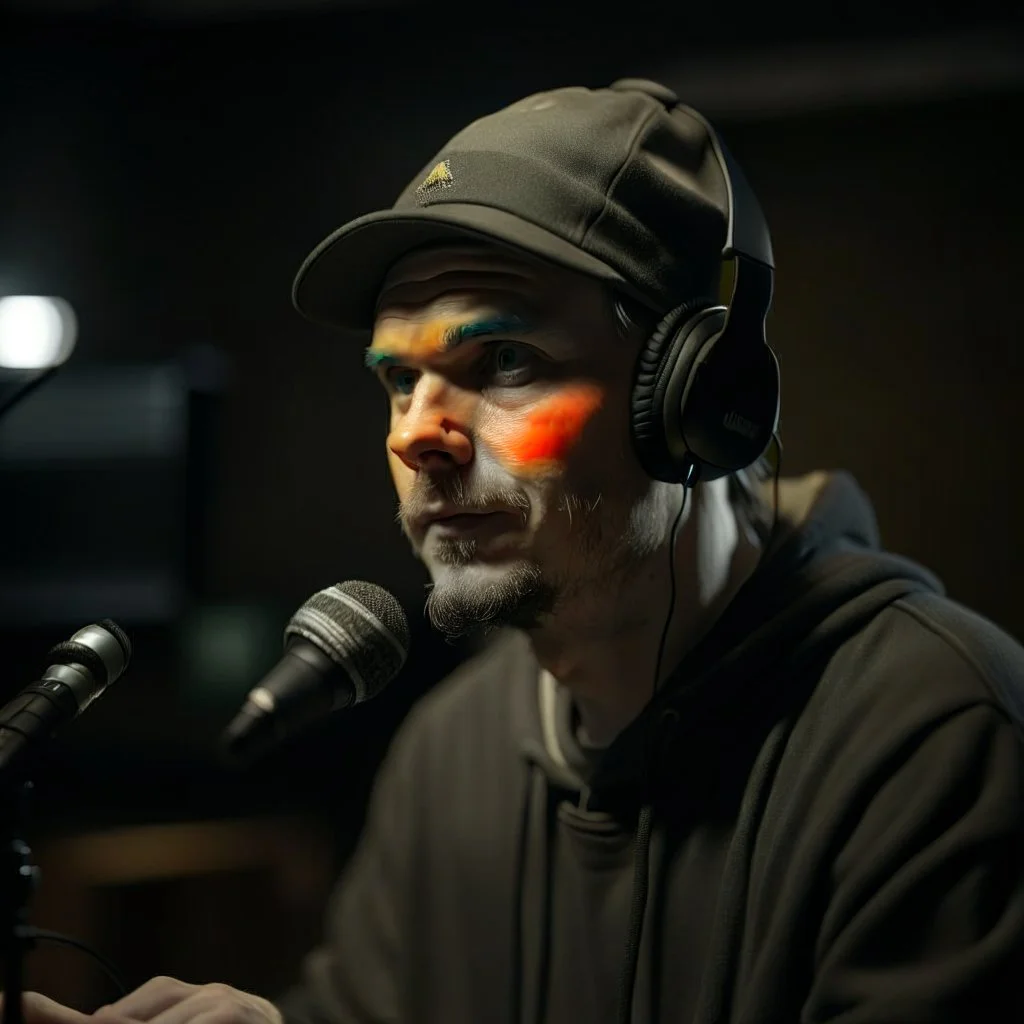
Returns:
(439, 178)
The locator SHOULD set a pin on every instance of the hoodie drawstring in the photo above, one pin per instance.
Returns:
(535, 793)
(638, 907)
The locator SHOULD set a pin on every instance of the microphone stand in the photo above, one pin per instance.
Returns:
(18, 878)
(18, 875)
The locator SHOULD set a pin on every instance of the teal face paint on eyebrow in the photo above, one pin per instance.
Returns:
(437, 338)
(508, 323)
(374, 360)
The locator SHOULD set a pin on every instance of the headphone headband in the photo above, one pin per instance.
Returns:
(747, 232)
(706, 386)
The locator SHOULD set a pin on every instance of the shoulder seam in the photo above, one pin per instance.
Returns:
(953, 641)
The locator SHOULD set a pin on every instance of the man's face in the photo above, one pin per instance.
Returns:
(509, 444)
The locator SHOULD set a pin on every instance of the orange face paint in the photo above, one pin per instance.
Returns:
(412, 341)
(534, 442)
(549, 431)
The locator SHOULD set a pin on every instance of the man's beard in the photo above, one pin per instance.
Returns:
(463, 599)
(518, 597)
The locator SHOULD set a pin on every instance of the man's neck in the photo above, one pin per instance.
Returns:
(605, 652)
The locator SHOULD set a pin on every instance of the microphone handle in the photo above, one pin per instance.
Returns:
(33, 715)
(305, 686)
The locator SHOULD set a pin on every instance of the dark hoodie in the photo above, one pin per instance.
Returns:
(825, 805)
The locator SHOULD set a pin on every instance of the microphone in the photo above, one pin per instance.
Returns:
(343, 646)
(82, 668)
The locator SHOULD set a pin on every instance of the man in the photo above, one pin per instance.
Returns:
(724, 758)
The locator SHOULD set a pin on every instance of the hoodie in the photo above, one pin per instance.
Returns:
(818, 817)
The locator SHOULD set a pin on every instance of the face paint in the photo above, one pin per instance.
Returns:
(420, 341)
(541, 442)
(408, 342)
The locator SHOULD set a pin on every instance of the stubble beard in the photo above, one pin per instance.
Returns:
(515, 595)
(607, 543)
(606, 550)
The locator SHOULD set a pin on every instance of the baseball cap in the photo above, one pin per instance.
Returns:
(619, 183)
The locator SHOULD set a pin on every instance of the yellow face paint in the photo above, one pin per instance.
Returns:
(408, 342)
(418, 342)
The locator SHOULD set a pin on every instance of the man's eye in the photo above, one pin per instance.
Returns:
(511, 363)
(401, 379)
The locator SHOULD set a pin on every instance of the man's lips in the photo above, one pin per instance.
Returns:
(460, 519)
(461, 523)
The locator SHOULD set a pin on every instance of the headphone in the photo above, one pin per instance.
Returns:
(705, 399)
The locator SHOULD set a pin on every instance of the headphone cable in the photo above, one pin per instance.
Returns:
(688, 482)
(642, 839)
(775, 488)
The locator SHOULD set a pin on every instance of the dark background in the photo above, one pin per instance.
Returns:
(208, 459)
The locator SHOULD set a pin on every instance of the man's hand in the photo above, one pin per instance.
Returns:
(169, 1001)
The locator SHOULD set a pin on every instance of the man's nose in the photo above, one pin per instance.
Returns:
(432, 430)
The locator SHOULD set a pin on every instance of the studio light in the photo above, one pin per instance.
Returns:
(36, 332)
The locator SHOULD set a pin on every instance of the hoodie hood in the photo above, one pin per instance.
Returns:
(821, 579)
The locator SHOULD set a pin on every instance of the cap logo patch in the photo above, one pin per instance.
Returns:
(438, 179)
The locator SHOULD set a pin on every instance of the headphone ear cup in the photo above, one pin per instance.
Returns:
(728, 405)
(654, 369)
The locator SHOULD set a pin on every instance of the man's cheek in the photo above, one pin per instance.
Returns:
(538, 441)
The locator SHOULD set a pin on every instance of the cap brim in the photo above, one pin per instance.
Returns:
(338, 283)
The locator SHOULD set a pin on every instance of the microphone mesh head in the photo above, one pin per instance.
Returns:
(361, 627)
